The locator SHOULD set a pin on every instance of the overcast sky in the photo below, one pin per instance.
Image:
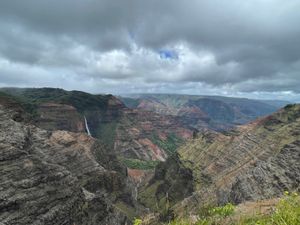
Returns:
(214, 47)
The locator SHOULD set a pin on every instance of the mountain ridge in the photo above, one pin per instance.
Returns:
(256, 161)
(133, 133)
(204, 112)
(58, 177)
(109, 178)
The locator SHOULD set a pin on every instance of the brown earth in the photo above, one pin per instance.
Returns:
(57, 177)
(256, 161)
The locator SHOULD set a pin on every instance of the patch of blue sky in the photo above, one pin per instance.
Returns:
(168, 54)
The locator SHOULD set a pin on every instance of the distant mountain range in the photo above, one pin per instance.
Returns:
(201, 112)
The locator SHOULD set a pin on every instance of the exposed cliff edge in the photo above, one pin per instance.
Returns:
(57, 177)
(257, 161)
(133, 134)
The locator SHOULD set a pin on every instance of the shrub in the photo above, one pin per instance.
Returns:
(222, 211)
(287, 212)
(137, 221)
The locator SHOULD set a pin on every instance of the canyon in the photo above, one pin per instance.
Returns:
(256, 161)
(69, 157)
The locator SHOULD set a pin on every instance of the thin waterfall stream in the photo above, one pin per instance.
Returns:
(87, 126)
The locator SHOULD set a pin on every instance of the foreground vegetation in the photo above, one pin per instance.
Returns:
(286, 212)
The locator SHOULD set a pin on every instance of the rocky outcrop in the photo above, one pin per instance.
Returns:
(171, 183)
(132, 133)
(149, 136)
(54, 116)
(57, 177)
(256, 161)
(268, 178)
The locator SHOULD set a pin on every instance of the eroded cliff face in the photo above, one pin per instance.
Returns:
(57, 177)
(149, 136)
(257, 161)
(171, 183)
(268, 178)
(54, 116)
(132, 133)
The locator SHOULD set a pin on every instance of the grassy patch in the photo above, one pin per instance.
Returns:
(169, 145)
(140, 164)
(287, 212)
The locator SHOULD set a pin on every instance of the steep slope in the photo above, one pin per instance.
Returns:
(202, 112)
(57, 177)
(133, 134)
(53, 108)
(256, 161)
(53, 116)
(149, 136)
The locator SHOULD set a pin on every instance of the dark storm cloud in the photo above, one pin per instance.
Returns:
(101, 24)
(233, 46)
(261, 36)
(68, 15)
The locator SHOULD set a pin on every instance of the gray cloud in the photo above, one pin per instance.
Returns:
(239, 48)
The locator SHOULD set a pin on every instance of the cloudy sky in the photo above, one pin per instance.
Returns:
(215, 47)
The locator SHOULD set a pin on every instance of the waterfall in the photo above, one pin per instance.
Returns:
(87, 127)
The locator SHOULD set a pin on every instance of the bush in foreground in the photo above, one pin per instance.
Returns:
(286, 212)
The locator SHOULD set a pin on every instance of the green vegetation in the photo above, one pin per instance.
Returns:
(30, 108)
(286, 212)
(147, 196)
(3, 94)
(107, 132)
(140, 164)
(94, 106)
(172, 183)
(137, 222)
(170, 145)
(222, 211)
(290, 113)
(80, 100)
